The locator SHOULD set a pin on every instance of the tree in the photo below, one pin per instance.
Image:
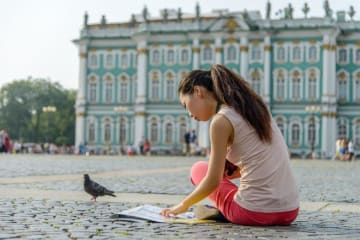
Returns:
(22, 115)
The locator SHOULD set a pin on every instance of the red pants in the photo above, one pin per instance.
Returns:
(223, 199)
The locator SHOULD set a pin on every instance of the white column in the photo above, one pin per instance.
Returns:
(196, 65)
(80, 100)
(328, 99)
(244, 49)
(141, 92)
(218, 50)
(267, 73)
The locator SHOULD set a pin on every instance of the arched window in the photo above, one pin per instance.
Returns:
(155, 86)
(342, 56)
(295, 134)
(357, 56)
(342, 128)
(357, 132)
(296, 86)
(124, 88)
(93, 60)
(107, 132)
(91, 133)
(256, 52)
(280, 85)
(182, 131)
(342, 85)
(170, 87)
(281, 125)
(122, 131)
(108, 89)
(124, 62)
(357, 87)
(256, 81)
(93, 88)
(311, 134)
(109, 60)
(154, 132)
(312, 85)
(168, 133)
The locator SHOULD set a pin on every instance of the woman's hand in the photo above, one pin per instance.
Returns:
(175, 210)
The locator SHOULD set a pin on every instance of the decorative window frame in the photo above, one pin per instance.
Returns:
(342, 121)
(261, 79)
(282, 119)
(226, 53)
(104, 121)
(356, 50)
(189, 54)
(166, 120)
(204, 48)
(165, 77)
(307, 76)
(93, 78)
(260, 47)
(275, 75)
(91, 55)
(339, 49)
(127, 64)
(308, 123)
(356, 131)
(108, 77)
(121, 78)
(301, 49)
(276, 55)
(118, 121)
(91, 120)
(167, 51)
(151, 74)
(106, 54)
(180, 121)
(152, 53)
(301, 77)
(293, 121)
(347, 79)
(317, 51)
(150, 120)
(356, 92)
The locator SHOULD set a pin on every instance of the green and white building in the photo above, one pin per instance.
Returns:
(306, 69)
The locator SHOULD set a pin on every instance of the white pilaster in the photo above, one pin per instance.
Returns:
(218, 50)
(244, 49)
(267, 60)
(141, 91)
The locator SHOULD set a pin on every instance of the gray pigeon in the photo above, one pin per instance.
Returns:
(95, 189)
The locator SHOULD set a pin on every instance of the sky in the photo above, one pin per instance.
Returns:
(36, 35)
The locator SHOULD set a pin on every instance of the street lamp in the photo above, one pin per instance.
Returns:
(312, 109)
(122, 131)
(48, 109)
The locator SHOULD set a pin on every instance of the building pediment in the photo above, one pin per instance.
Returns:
(229, 24)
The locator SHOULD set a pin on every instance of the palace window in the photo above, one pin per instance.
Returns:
(91, 133)
(256, 52)
(170, 87)
(231, 54)
(281, 125)
(357, 133)
(296, 86)
(295, 134)
(312, 85)
(207, 54)
(155, 57)
(342, 56)
(155, 86)
(296, 54)
(255, 78)
(280, 54)
(124, 61)
(342, 128)
(311, 132)
(312, 54)
(182, 130)
(124, 88)
(93, 88)
(342, 86)
(109, 60)
(357, 86)
(93, 63)
(280, 85)
(109, 88)
(122, 131)
(154, 132)
(184, 56)
(107, 132)
(170, 57)
(357, 56)
(168, 133)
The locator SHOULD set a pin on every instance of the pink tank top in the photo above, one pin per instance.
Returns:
(267, 183)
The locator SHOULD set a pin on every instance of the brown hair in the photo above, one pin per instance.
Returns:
(231, 89)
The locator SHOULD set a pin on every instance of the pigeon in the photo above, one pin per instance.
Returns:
(95, 189)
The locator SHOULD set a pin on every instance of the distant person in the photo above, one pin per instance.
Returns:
(141, 146)
(242, 132)
(147, 147)
(187, 142)
(350, 150)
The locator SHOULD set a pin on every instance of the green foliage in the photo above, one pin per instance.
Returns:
(22, 112)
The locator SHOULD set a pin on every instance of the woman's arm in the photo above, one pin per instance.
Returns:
(220, 132)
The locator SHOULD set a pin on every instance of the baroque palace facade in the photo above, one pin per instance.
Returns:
(306, 69)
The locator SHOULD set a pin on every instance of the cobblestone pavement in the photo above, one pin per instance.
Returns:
(334, 185)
